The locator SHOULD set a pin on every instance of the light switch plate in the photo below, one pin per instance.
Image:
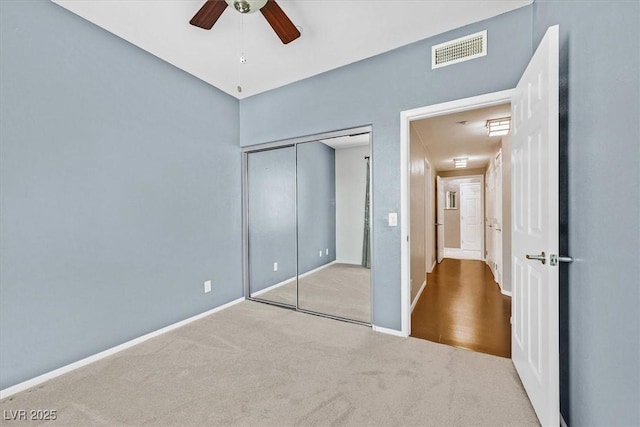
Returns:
(393, 219)
(207, 286)
(275, 266)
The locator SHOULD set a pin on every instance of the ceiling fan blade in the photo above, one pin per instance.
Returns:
(208, 14)
(279, 21)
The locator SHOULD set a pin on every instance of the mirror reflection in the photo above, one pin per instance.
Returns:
(333, 236)
(271, 202)
(450, 200)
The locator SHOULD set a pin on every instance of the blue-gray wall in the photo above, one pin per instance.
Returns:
(109, 226)
(600, 147)
(375, 91)
(120, 191)
(271, 187)
(316, 205)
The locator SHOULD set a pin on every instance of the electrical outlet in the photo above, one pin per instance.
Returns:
(320, 253)
(275, 266)
(207, 286)
(327, 251)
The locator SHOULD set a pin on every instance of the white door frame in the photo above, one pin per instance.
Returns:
(406, 117)
(482, 182)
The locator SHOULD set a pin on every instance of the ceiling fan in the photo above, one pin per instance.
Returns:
(281, 24)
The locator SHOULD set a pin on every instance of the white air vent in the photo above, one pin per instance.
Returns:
(459, 50)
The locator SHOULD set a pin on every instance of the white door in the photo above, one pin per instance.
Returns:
(489, 223)
(534, 194)
(440, 220)
(470, 216)
(497, 224)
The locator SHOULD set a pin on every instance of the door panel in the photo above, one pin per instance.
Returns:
(535, 230)
(471, 217)
(440, 219)
(497, 226)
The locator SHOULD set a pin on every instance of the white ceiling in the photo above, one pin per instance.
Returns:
(446, 139)
(349, 141)
(334, 33)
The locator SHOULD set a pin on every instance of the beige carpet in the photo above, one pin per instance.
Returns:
(342, 290)
(260, 365)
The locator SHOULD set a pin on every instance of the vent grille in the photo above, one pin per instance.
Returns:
(459, 50)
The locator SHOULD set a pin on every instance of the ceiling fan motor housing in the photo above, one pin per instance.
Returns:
(247, 6)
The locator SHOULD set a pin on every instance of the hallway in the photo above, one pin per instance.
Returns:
(462, 306)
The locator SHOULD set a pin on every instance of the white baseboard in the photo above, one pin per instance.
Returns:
(458, 253)
(563, 423)
(316, 269)
(435, 261)
(272, 287)
(94, 358)
(389, 331)
(415, 300)
(507, 293)
(277, 285)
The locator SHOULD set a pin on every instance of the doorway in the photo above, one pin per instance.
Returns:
(461, 304)
(407, 118)
(534, 229)
(463, 217)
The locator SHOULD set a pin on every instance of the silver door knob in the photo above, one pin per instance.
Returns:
(542, 257)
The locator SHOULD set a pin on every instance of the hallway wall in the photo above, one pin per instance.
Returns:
(418, 214)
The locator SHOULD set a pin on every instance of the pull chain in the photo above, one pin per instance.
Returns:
(243, 59)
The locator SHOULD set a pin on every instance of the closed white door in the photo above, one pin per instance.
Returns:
(535, 230)
(471, 216)
(440, 220)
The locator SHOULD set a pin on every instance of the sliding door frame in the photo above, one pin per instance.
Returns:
(245, 212)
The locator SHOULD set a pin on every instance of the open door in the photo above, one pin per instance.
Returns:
(534, 342)
(440, 220)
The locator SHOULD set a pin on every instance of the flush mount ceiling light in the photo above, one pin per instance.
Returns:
(498, 127)
(460, 162)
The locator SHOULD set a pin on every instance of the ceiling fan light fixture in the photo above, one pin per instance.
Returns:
(247, 6)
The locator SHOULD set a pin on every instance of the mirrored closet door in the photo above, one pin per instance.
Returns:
(308, 237)
(270, 196)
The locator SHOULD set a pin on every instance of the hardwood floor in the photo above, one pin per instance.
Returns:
(462, 306)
